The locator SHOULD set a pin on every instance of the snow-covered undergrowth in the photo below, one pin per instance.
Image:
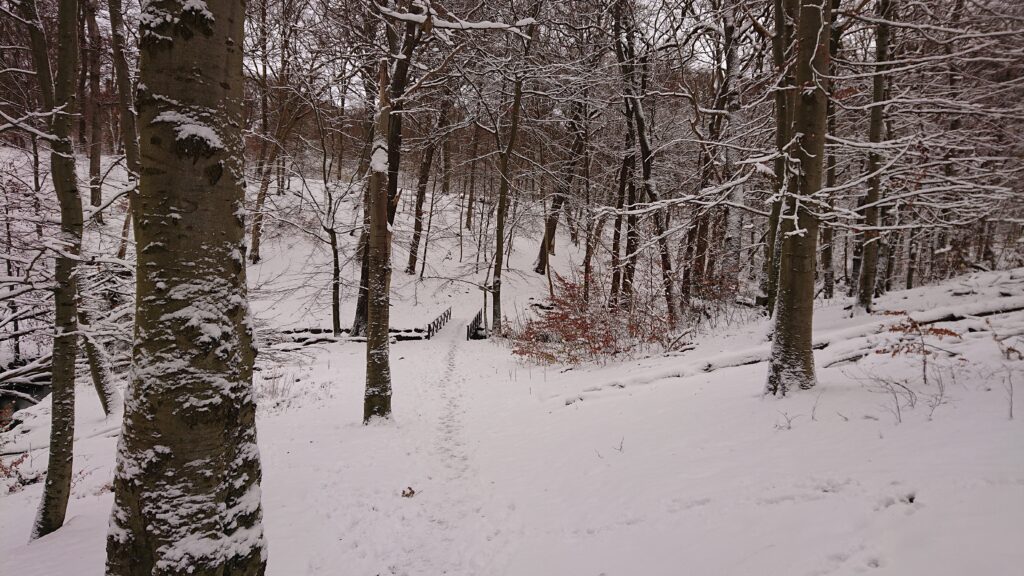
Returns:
(667, 464)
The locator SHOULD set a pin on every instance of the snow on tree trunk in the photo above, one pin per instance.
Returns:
(187, 483)
(59, 94)
(377, 402)
(99, 363)
(792, 358)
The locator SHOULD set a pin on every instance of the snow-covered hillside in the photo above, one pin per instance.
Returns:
(666, 464)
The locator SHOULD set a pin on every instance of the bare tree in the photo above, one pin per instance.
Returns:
(792, 359)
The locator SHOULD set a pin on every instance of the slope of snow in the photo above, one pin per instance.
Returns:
(662, 465)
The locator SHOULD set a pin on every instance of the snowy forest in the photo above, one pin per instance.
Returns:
(516, 287)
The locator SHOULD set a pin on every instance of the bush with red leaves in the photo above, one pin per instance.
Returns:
(572, 329)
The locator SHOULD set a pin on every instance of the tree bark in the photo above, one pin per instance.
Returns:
(369, 129)
(870, 236)
(625, 173)
(377, 401)
(472, 177)
(827, 230)
(792, 359)
(129, 131)
(99, 362)
(95, 124)
(59, 93)
(786, 17)
(421, 189)
(187, 484)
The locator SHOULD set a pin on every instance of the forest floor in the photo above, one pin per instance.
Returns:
(665, 464)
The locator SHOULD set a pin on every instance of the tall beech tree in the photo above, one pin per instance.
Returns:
(792, 358)
(377, 403)
(187, 484)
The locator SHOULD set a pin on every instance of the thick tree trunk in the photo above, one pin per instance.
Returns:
(871, 239)
(377, 401)
(792, 359)
(187, 485)
(59, 93)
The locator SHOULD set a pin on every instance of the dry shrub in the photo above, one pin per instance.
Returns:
(572, 329)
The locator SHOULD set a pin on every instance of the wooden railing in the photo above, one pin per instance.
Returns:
(474, 329)
(308, 336)
(438, 323)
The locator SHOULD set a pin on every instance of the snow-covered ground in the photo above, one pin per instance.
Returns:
(669, 464)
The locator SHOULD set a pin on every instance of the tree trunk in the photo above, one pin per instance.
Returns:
(426, 238)
(377, 401)
(60, 95)
(562, 189)
(871, 239)
(359, 320)
(625, 172)
(632, 239)
(504, 185)
(827, 231)
(99, 362)
(550, 226)
(187, 484)
(266, 171)
(626, 58)
(95, 124)
(129, 131)
(472, 178)
(733, 244)
(421, 189)
(786, 17)
(332, 235)
(792, 359)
